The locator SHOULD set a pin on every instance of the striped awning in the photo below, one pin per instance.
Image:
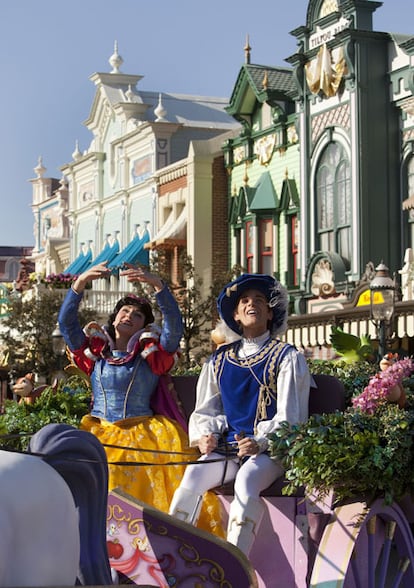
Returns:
(134, 253)
(174, 230)
(108, 253)
(80, 264)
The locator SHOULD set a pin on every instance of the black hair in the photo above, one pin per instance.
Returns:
(142, 304)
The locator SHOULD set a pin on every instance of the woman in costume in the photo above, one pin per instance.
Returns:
(245, 390)
(125, 360)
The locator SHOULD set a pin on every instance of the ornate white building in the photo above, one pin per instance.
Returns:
(106, 204)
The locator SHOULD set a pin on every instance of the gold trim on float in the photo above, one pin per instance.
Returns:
(325, 547)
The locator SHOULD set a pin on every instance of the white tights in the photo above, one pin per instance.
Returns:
(253, 476)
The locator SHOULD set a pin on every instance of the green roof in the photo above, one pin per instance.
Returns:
(249, 88)
(265, 197)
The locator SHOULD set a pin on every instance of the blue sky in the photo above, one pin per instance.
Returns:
(50, 48)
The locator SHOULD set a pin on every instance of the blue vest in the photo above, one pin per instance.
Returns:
(248, 386)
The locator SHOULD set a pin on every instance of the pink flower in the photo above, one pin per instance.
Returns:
(380, 385)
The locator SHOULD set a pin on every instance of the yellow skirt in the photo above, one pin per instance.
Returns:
(150, 481)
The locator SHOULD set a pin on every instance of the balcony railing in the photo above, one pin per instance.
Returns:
(304, 331)
(101, 301)
(313, 330)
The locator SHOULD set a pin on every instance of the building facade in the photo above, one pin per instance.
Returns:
(321, 176)
(306, 172)
(13, 260)
(110, 204)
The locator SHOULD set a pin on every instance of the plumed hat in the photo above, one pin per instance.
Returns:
(275, 293)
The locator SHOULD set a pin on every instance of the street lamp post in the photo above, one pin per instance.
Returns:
(59, 349)
(382, 288)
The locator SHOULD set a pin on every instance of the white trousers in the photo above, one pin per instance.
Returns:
(250, 478)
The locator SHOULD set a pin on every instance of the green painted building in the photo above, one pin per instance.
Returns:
(322, 174)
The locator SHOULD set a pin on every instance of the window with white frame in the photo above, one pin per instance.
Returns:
(410, 178)
(293, 235)
(266, 246)
(249, 247)
(238, 247)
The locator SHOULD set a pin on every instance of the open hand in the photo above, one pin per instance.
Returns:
(139, 274)
(92, 273)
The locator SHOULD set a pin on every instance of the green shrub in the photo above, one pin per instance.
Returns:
(354, 376)
(68, 403)
(354, 453)
(367, 451)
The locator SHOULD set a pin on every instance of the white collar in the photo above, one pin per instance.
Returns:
(250, 345)
(256, 340)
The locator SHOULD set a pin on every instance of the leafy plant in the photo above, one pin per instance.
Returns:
(197, 304)
(199, 312)
(351, 348)
(67, 403)
(354, 376)
(27, 332)
(182, 370)
(353, 453)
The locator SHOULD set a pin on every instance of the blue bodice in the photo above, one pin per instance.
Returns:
(122, 391)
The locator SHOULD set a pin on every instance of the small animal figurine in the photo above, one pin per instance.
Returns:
(25, 388)
(387, 360)
(397, 393)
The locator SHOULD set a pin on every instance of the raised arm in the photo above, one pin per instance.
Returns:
(68, 315)
(172, 324)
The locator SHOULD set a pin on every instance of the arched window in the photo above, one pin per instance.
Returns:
(12, 270)
(327, 7)
(333, 197)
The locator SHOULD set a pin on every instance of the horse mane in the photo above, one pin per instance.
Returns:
(79, 457)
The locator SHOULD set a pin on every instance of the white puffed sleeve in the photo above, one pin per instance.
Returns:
(293, 386)
(208, 414)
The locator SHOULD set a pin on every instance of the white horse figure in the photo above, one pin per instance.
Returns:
(53, 511)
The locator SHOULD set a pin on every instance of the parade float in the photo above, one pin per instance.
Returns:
(341, 517)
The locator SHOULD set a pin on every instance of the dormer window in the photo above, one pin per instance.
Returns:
(328, 6)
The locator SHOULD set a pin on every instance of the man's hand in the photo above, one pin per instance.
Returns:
(207, 443)
(247, 446)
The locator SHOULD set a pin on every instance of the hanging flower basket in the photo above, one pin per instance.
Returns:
(59, 281)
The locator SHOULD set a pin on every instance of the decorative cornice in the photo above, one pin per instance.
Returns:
(172, 172)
